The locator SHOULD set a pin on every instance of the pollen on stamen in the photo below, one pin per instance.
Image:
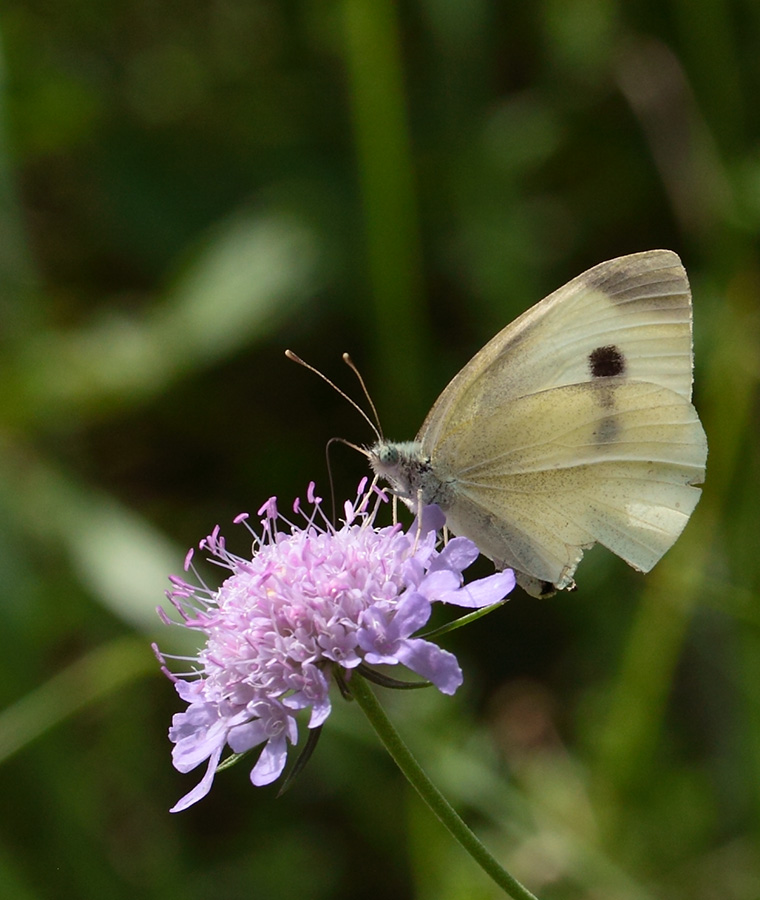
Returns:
(269, 508)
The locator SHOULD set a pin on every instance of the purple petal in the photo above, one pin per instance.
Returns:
(243, 737)
(432, 519)
(373, 629)
(379, 659)
(192, 748)
(413, 612)
(196, 718)
(442, 581)
(484, 592)
(319, 712)
(431, 662)
(271, 762)
(459, 553)
(203, 786)
(189, 691)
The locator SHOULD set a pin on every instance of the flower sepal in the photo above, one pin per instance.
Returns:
(229, 761)
(463, 620)
(303, 757)
(386, 681)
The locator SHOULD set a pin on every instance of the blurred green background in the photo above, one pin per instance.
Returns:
(187, 190)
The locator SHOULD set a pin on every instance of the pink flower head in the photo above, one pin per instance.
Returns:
(313, 597)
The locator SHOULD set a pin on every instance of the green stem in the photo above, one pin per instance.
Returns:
(414, 773)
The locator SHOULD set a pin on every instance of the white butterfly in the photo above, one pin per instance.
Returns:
(573, 426)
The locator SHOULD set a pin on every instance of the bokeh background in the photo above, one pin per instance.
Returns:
(188, 189)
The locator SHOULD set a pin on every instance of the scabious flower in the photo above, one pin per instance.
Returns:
(313, 599)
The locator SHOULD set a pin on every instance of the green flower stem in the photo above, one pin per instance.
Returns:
(401, 754)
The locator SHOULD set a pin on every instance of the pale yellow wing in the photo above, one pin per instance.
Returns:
(633, 312)
(547, 475)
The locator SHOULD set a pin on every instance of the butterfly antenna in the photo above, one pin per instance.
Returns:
(374, 426)
(352, 365)
(338, 440)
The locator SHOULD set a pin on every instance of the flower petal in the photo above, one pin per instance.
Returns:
(484, 592)
(271, 762)
(431, 662)
(431, 519)
(459, 553)
(412, 614)
(194, 740)
(243, 737)
(203, 786)
(319, 712)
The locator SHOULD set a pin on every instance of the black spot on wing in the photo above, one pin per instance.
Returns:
(606, 361)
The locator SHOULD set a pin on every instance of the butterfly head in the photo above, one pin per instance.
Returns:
(409, 472)
(399, 464)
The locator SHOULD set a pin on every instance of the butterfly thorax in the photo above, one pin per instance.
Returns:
(408, 470)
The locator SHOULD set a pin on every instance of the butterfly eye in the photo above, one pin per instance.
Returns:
(388, 455)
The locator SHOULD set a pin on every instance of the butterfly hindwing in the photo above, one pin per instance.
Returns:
(547, 475)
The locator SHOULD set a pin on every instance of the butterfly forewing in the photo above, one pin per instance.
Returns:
(634, 313)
